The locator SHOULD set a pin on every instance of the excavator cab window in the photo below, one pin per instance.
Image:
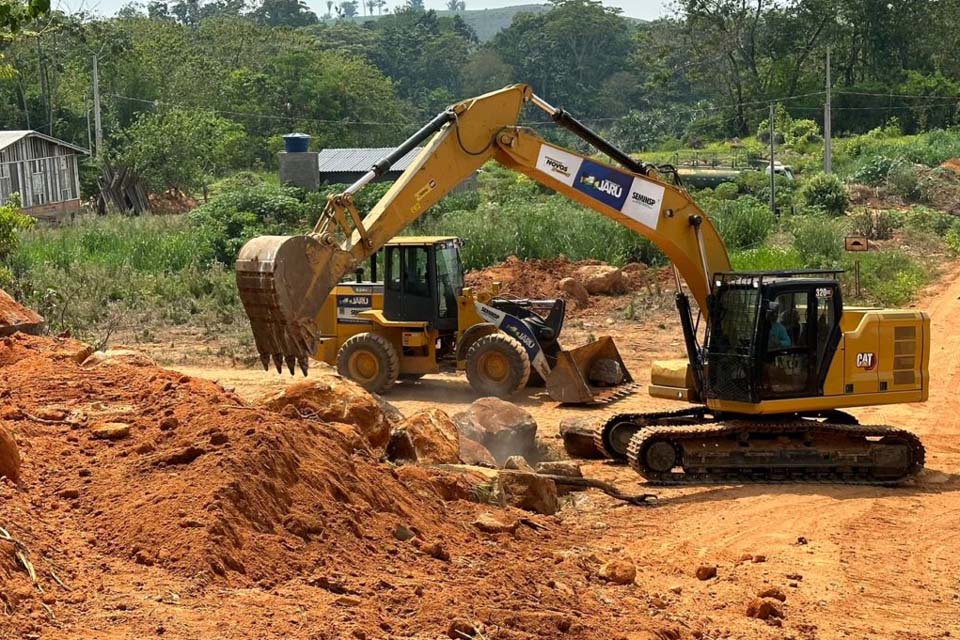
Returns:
(423, 282)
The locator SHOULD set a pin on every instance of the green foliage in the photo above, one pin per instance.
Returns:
(924, 219)
(889, 277)
(825, 193)
(742, 223)
(875, 225)
(818, 240)
(225, 224)
(766, 259)
(181, 148)
(873, 170)
(903, 180)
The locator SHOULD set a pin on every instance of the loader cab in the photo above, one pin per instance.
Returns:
(423, 279)
(772, 335)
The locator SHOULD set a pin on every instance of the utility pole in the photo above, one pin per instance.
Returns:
(827, 118)
(773, 174)
(96, 109)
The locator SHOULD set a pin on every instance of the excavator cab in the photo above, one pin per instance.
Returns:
(772, 335)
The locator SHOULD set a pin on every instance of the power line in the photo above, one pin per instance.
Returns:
(896, 95)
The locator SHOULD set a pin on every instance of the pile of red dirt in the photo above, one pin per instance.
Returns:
(196, 482)
(15, 317)
(538, 278)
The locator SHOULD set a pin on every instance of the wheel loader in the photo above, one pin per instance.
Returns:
(772, 358)
(419, 319)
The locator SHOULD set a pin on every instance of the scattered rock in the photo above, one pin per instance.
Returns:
(794, 576)
(502, 427)
(474, 453)
(9, 456)
(527, 491)
(758, 558)
(110, 430)
(168, 423)
(403, 533)
(185, 455)
(677, 589)
(460, 629)
(11, 413)
(634, 269)
(330, 398)
(566, 468)
(764, 609)
(144, 558)
(773, 592)
(618, 571)
(577, 435)
(518, 463)
(574, 290)
(706, 571)
(605, 372)
(53, 414)
(435, 550)
(601, 279)
(69, 493)
(119, 356)
(426, 437)
(303, 525)
(801, 540)
(489, 523)
(393, 415)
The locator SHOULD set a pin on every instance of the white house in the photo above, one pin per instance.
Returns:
(43, 170)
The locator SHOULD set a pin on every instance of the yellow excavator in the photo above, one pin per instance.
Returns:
(772, 357)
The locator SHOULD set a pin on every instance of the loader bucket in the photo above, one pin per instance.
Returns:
(592, 374)
(283, 282)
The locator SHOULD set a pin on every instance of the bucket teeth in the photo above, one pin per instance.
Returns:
(304, 365)
(265, 361)
(291, 363)
(277, 362)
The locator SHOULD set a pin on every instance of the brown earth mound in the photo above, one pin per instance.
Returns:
(15, 317)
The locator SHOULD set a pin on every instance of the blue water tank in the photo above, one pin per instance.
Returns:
(296, 143)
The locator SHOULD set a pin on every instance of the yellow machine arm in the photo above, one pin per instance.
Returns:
(284, 280)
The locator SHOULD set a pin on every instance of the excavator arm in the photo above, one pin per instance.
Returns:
(284, 280)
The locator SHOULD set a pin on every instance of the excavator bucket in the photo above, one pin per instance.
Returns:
(283, 282)
(592, 374)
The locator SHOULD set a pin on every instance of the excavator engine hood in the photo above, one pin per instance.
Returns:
(283, 282)
(592, 374)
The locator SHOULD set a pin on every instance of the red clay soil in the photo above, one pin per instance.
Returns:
(16, 317)
(212, 518)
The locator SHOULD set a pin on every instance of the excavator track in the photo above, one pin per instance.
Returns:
(612, 437)
(744, 451)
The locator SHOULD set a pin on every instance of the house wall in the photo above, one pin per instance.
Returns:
(42, 172)
(54, 211)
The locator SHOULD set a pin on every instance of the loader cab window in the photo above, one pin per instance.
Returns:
(449, 279)
(416, 264)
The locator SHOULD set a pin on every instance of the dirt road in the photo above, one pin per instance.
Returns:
(853, 562)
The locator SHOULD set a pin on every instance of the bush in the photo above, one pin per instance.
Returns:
(727, 191)
(766, 259)
(878, 225)
(818, 240)
(953, 239)
(924, 219)
(873, 170)
(903, 180)
(742, 223)
(825, 193)
(227, 222)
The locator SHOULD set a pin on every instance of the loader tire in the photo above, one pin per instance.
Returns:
(497, 365)
(370, 360)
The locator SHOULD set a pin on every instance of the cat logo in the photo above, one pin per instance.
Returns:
(866, 361)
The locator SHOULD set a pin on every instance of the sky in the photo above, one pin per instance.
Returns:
(645, 9)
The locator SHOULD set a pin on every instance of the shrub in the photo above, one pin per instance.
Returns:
(227, 222)
(825, 193)
(878, 225)
(742, 223)
(873, 170)
(766, 259)
(953, 239)
(903, 180)
(818, 241)
(727, 191)
(889, 277)
(924, 219)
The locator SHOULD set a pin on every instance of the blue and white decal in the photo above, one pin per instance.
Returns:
(349, 306)
(514, 327)
(635, 197)
(603, 183)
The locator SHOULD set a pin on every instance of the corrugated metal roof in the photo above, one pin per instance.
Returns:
(359, 160)
(7, 138)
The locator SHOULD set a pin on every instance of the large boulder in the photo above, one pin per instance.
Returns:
(15, 317)
(9, 456)
(601, 279)
(331, 398)
(577, 435)
(502, 427)
(527, 491)
(572, 289)
(426, 437)
(472, 452)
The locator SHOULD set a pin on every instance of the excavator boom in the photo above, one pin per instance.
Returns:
(284, 280)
